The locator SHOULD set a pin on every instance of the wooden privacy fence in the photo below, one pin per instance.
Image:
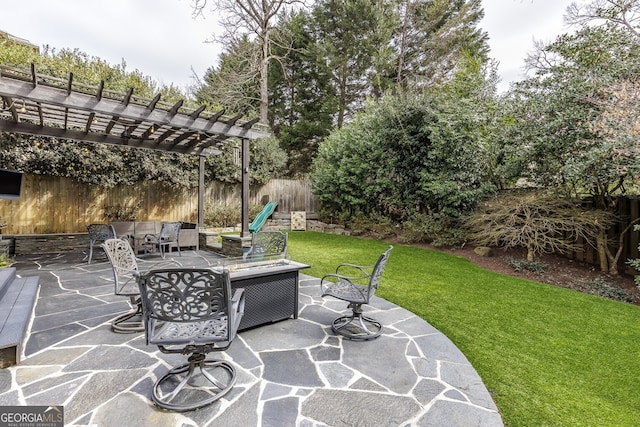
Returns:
(62, 205)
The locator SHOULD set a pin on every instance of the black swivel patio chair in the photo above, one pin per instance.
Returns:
(169, 235)
(99, 233)
(268, 243)
(192, 312)
(124, 264)
(355, 284)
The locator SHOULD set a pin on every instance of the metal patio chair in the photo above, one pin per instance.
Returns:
(192, 312)
(169, 234)
(99, 233)
(355, 284)
(124, 264)
(268, 243)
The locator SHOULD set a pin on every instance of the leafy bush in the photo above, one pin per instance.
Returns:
(5, 260)
(437, 229)
(600, 287)
(539, 222)
(121, 213)
(217, 215)
(537, 267)
(401, 155)
(377, 226)
(635, 263)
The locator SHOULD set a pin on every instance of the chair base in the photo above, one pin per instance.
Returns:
(129, 322)
(194, 389)
(357, 327)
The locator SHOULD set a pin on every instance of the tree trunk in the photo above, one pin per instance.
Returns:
(530, 253)
(613, 261)
(602, 251)
(264, 76)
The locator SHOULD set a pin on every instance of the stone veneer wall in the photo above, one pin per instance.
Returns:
(22, 244)
(281, 221)
(25, 244)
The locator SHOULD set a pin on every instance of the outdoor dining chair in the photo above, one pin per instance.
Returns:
(355, 284)
(268, 243)
(124, 264)
(191, 312)
(99, 233)
(169, 234)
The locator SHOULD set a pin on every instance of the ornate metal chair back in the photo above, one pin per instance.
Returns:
(99, 233)
(268, 243)
(170, 231)
(374, 280)
(124, 264)
(187, 295)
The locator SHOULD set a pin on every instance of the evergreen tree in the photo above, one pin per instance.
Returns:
(301, 95)
(431, 37)
(347, 36)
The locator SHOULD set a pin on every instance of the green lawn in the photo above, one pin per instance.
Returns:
(549, 356)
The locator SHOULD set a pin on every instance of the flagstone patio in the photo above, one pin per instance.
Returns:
(291, 373)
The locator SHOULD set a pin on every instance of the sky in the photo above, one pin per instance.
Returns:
(514, 25)
(161, 39)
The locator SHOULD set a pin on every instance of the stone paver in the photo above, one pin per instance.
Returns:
(291, 373)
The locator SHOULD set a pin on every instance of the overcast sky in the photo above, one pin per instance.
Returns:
(514, 25)
(162, 40)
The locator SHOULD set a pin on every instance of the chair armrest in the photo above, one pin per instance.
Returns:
(237, 298)
(353, 271)
(236, 311)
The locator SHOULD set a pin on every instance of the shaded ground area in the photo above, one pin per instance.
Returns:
(556, 270)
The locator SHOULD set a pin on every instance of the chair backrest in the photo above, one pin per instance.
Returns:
(268, 243)
(187, 295)
(124, 265)
(123, 228)
(100, 232)
(374, 279)
(170, 231)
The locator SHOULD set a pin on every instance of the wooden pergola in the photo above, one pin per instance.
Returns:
(47, 106)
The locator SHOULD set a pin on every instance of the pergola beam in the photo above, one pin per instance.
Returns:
(88, 103)
(92, 114)
(149, 144)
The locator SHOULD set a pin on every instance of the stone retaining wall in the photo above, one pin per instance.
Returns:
(21, 244)
(281, 221)
(25, 244)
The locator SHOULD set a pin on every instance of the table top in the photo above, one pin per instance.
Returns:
(261, 265)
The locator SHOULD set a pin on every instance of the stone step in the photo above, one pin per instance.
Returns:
(18, 297)
(7, 275)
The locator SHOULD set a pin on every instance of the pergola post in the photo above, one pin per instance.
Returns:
(201, 193)
(245, 188)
